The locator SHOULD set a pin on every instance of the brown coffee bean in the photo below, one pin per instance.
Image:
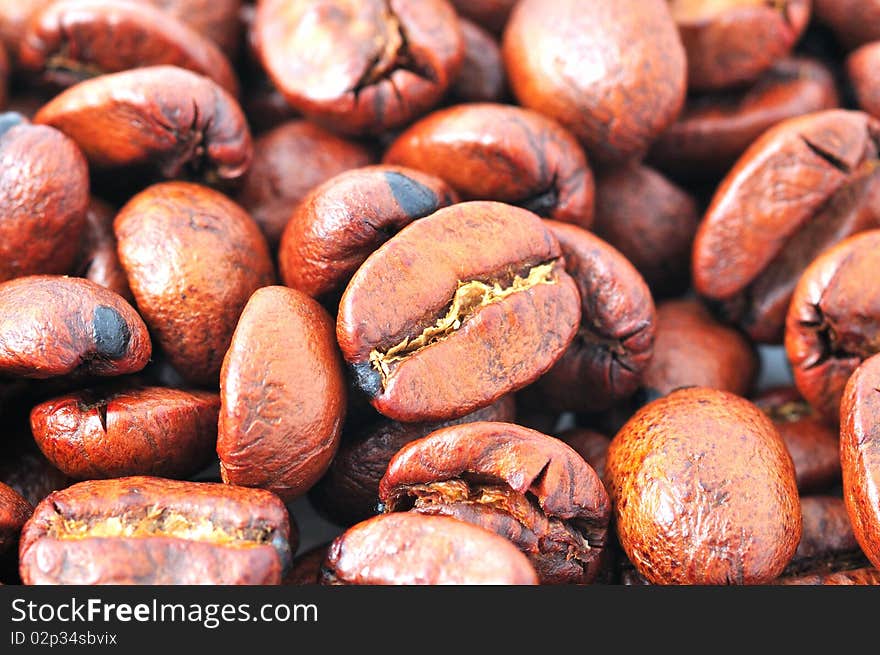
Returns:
(862, 67)
(589, 444)
(143, 530)
(52, 326)
(866, 576)
(827, 540)
(162, 119)
(491, 14)
(360, 66)
(283, 395)
(98, 259)
(289, 161)
(216, 19)
(693, 349)
(456, 310)
(482, 77)
(696, 506)
(411, 549)
(263, 103)
(193, 258)
(526, 486)
(813, 445)
(615, 341)
(341, 222)
(14, 511)
(306, 568)
(44, 191)
(14, 16)
(803, 186)
(69, 41)
(860, 455)
(499, 152)
(349, 492)
(833, 321)
(730, 42)
(564, 59)
(25, 469)
(4, 77)
(716, 128)
(854, 21)
(109, 434)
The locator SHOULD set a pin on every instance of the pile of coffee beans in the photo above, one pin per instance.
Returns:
(487, 284)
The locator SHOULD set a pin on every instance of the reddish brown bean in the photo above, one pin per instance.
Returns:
(96, 434)
(216, 19)
(499, 152)
(854, 21)
(482, 77)
(411, 549)
(360, 66)
(696, 506)
(803, 186)
(52, 326)
(98, 259)
(456, 310)
(14, 511)
(44, 191)
(491, 14)
(14, 16)
(341, 222)
(526, 486)
(565, 61)
(832, 324)
(143, 530)
(827, 539)
(289, 161)
(4, 76)
(589, 444)
(283, 395)
(163, 119)
(26, 470)
(193, 258)
(861, 67)
(306, 568)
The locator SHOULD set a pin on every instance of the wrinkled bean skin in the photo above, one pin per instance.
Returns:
(164, 119)
(693, 349)
(99, 260)
(499, 152)
(341, 222)
(306, 568)
(360, 66)
(289, 161)
(800, 188)
(72, 40)
(623, 103)
(716, 128)
(695, 506)
(833, 321)
(109, 434)
(14, 511)
(827, 538)
(411, 285)
(283, 395)
(44, 192)
(813, 445)
(854, 21)
(134, 531)
(735, 42)
(349, 493)
(53, 326)
(491, 14)
(411, 549)
(860, 455)
(193, 258)
(861, 67)
(866, 576)
(482, 77)
(615, 342)
(589, 444)
(533, 489)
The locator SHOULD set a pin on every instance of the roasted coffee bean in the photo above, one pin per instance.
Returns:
(350, 491)
(564, 59)
(482, 77)
(341, 222)
(865, 576)
(693, 349)
(69, 41)
(491, 14)
(306, 568)
(105, 433)
(526, 486)
(4, 77)
(499, 152)
(193, 258)
(615, 341)
(216, 19)
(827, 540)
(14, 511)
(162, 119)
(803, 186)
(695, 506)
(862, 67)
(14, 16)
(98, 258)
(854, 21)
(589, 444)
(360, 66)
(289, 161)
(411, 549)
(813, 445)
(731, 42)
(283, 395)
(716, 128)
(143, 530)
(52, 326)
(456, 310)
(25, 469)
(44, 191)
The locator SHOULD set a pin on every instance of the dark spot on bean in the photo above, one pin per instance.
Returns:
(111, 333)
(367, 379)
(10, 119)
(415, 199)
